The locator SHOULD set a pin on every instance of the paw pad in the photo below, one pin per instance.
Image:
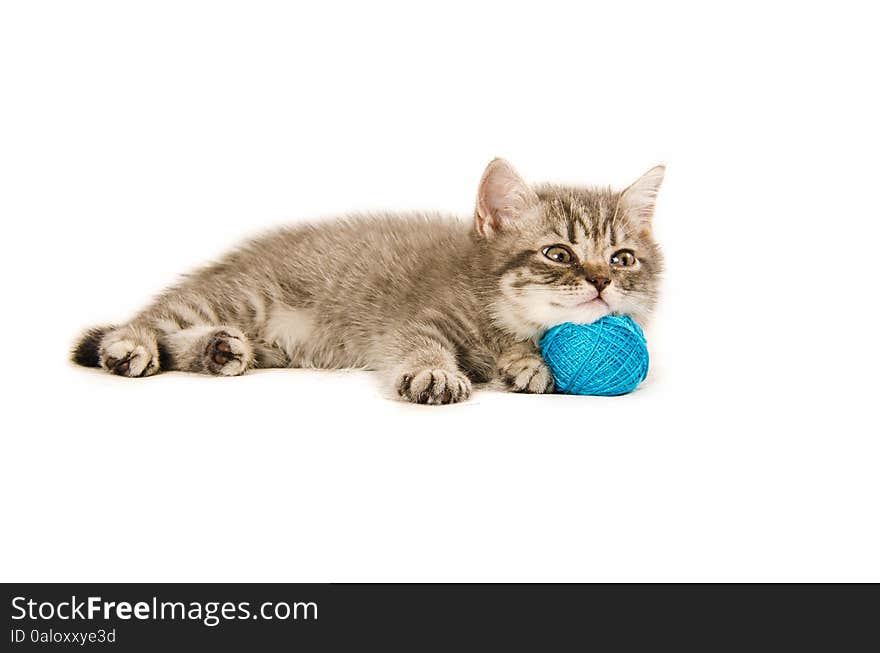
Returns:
(128, 358)
(226, 355)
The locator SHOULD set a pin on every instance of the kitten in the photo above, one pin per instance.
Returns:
(432, 302)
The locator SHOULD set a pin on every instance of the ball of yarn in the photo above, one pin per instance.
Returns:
(608, 357)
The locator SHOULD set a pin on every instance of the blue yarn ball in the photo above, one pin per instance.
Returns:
(608, 357)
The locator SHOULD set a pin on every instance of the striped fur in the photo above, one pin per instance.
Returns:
(430, 301)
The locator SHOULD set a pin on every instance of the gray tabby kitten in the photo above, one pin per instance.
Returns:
(432, 302)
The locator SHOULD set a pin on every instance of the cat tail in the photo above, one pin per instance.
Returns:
(86, 350)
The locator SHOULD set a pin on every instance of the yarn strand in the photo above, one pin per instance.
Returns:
(606, 358)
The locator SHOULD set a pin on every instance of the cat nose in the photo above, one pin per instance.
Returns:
(600, 281)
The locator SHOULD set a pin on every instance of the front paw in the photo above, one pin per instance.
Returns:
(528, 373)
(433, 386)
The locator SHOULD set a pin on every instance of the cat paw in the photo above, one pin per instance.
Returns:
(125, 356)
(528, 373)
(227, 354)
(433, 386)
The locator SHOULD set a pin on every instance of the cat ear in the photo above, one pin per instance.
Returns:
(641, 197)
(502, 197)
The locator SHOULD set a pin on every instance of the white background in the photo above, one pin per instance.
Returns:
(138, 140)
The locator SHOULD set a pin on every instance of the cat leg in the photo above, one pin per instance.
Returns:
(131, 350)
(427, 372)
(522, 368)
(220, 350)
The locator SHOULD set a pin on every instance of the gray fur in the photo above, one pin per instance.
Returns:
(432, 302)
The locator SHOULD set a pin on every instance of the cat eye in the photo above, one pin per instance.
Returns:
(558, 253)
(623, 259)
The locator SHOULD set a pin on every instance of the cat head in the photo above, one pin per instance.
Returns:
(567, 254)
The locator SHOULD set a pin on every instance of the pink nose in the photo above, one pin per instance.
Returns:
(601, 282)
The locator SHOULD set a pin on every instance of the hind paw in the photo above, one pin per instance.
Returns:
(227, 354)
(125, 357)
